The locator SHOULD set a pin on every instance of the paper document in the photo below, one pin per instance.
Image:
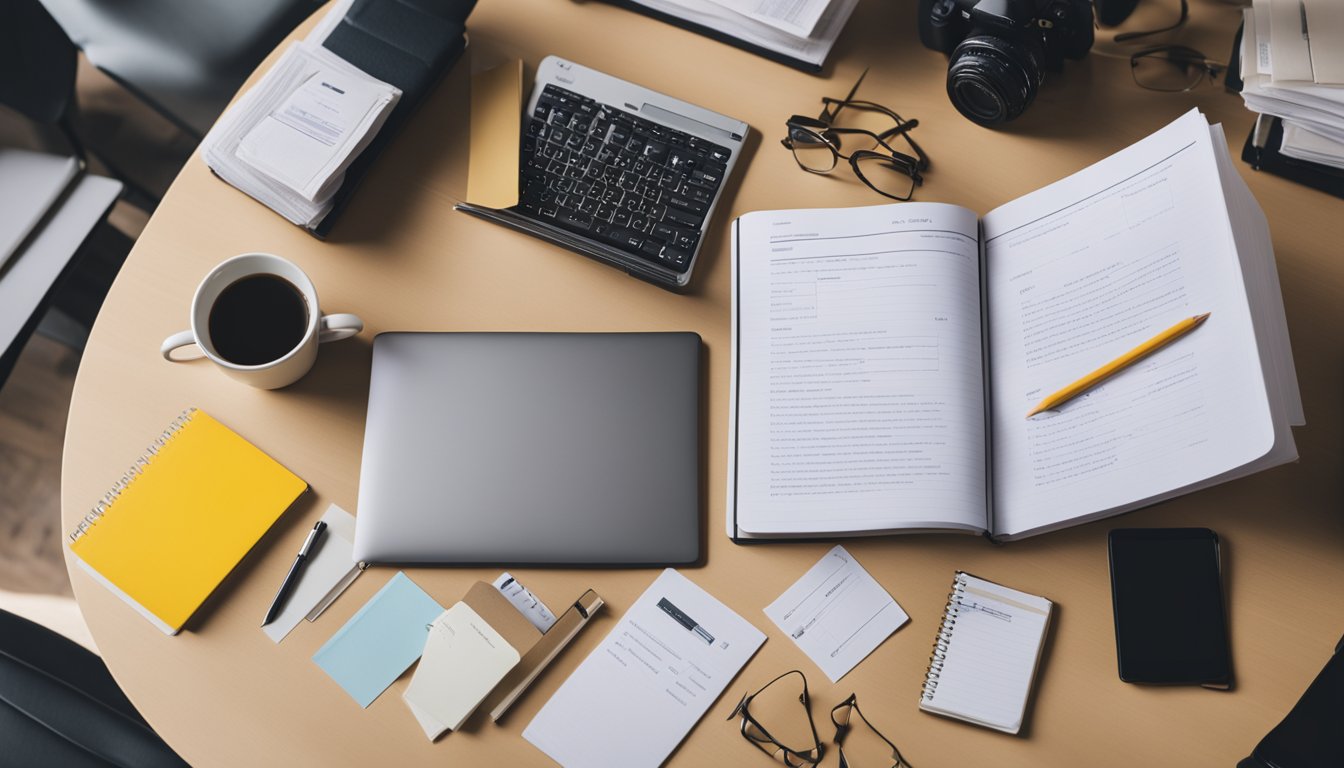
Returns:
(464, 659)
(635, 697)
(292, 172)
(837, 613)
(305, 141)
(797, 17)
(331, 560)
(385, 637)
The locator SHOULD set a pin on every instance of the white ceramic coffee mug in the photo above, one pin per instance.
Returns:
(283, 370)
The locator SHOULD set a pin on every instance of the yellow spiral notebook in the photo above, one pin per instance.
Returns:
(182, 518)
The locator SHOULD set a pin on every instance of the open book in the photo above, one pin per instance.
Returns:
(885, 358)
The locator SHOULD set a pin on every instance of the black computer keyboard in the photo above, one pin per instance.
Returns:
(629, 183)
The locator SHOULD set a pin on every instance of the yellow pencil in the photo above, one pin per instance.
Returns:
(1120, 363)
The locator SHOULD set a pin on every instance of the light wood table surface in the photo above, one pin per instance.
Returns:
(222, 694)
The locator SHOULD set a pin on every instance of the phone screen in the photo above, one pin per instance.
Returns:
(1170, 620)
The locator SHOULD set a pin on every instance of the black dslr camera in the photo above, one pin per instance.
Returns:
(998, 49)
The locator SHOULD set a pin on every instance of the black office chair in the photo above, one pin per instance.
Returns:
(60, 706)
(185, 59)
(37, 68)
(37, 80)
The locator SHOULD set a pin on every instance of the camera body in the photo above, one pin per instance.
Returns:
(998, 50)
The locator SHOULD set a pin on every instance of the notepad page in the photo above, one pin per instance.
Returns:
(858, 386)
(991, 657)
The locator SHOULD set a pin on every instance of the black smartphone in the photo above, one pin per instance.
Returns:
(1170, 616)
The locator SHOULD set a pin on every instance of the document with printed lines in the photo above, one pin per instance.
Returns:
(885, 358)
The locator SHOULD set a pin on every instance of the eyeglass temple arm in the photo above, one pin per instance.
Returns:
(827, 115)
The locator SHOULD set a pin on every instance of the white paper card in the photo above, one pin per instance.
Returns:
(635, 697)
(464, 659)
(837, 613)
(331, 560)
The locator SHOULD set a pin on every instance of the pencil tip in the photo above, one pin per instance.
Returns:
(1203, 317)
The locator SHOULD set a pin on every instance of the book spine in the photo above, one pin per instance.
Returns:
(137, 469)
(944, 638)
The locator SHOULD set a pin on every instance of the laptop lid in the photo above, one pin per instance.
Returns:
(531, 448)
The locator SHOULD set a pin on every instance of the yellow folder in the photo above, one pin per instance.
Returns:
(184, 516)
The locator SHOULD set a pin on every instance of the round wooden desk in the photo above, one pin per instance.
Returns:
(222, 694)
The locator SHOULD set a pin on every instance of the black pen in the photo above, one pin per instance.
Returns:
(299, 560)
(685, 621)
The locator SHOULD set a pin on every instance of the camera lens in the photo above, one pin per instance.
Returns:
(992, 80)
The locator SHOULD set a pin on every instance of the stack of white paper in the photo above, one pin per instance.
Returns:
(1298, 77)
(799, 29)
(289, 139)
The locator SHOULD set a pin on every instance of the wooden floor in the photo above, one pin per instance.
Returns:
(35, 399)
(33, 405)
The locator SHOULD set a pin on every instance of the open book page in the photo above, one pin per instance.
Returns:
(1081, 272)
(858, 394)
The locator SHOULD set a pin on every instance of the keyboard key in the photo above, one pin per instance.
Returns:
(623, 238)
(656, 151)
(682, 218)
(651, 249)
(677, 258)
(570, 218)
(698, 193)
(686, 204)
(710, 178)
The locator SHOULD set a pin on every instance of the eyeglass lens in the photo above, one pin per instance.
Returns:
(862, 745)
(886, 175)
(788, 721)
(812, 152)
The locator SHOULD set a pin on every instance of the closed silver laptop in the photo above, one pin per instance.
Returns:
(531, 448)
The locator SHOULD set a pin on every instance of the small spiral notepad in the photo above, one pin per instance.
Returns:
(986, 653)
(189, 509)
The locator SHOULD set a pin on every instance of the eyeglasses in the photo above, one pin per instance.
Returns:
(774, 704)
(841, 716)
(1185, 15)
(818, 145)
(791, 724)
(1172, 68)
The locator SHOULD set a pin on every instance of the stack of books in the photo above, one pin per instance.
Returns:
(1292, 71)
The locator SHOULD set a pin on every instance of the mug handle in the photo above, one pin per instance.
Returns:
(338, 326)
(177, 341)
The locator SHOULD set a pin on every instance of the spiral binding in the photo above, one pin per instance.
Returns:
(940, 643)
(137, 469)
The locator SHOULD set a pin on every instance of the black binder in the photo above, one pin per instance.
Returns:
(407, 43)
(715, 34)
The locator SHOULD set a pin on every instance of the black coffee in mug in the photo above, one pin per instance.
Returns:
(258, 319)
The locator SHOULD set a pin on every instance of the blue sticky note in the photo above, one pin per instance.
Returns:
(377, 644)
